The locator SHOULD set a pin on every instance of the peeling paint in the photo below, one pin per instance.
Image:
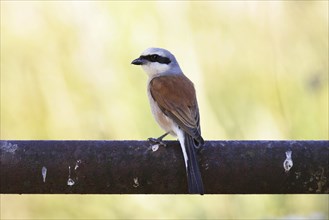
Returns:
(70, 181)
(77, 164)
(8, 147)
(136, 183)
(44, 174)
(155, 147)
(287, 164)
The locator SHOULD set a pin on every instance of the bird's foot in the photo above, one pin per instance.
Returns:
(156, 141)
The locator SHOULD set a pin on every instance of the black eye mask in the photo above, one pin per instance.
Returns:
(156, 58)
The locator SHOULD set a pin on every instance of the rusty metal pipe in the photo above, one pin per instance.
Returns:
(135, 167)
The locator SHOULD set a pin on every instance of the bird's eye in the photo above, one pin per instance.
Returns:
(154, 57)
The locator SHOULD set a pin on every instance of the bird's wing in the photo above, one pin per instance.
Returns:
(175, 96)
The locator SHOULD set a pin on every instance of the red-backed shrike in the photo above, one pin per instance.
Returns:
(174, 107)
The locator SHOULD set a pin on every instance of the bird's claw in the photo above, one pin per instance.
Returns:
(155, 141)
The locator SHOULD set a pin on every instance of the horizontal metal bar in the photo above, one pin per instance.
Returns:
(136, 167)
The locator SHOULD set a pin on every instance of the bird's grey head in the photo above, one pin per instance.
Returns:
(158, 61)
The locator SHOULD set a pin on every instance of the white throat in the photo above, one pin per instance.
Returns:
(155, 69)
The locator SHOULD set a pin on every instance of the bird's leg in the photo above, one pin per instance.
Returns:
(158, 140)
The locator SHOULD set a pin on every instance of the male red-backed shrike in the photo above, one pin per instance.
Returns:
(174, 107)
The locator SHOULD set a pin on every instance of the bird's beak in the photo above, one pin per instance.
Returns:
(138, 61)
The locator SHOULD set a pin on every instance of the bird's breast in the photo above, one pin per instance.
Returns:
(165, 122)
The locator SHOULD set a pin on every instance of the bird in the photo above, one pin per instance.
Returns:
(174, 106)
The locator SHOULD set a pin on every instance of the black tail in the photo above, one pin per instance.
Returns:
(195, 184)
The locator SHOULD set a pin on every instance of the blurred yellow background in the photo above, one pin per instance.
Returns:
(260, 69)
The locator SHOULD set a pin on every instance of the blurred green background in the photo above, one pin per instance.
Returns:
(260, 69)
